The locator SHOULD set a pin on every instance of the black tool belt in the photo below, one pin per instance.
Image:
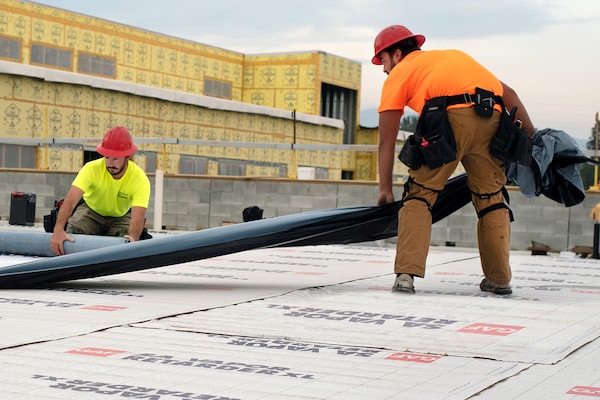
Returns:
(511, 143)
(467, 98)
(433, 142)
(483, 101)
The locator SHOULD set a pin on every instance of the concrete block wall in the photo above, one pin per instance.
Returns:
(200, 202)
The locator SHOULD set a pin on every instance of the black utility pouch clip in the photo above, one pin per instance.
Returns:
(437, 143)
(50, 220)
(484, 103)
(511, 144)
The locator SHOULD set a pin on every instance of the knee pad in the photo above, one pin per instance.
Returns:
(429, 207)
(406, 190)
(495, 206)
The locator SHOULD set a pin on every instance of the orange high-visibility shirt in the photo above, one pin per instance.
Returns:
(423, 75)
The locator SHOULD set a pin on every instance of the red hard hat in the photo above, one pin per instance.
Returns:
(390, 35)
(117, 142)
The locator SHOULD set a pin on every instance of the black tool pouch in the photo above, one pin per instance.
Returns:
(410, 154)
(437, 143)
(50, 220)
(511, 144)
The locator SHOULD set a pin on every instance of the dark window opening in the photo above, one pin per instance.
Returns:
(193, 165)
(90, 156)
(340, 103)
(17, 156)
(10, 49)
(348, 175)
(51, 56)
(232, 168)
(215, 88)
(96, 65)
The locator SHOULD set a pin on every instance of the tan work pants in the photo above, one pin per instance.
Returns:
(485, 175)
(85, 221)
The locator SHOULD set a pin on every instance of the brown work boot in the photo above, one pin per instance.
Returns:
(404, 283)
(497, 288)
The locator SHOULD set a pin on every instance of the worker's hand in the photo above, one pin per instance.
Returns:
(129, 238)
(57, 242)
(595, 215)
(385, 198)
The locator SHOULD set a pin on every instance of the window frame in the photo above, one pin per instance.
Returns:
(46, 58)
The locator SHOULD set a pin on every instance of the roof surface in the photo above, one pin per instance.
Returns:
(314, 322)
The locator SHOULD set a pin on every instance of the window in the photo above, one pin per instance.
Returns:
(151, 160)
(216, 88)
(51, 56)
(232, 168)
(340, 103)
(96, 65)
(10, 49)
(192, 165)
(17, 156)
(90, 156)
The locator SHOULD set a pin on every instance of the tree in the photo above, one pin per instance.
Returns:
(408, 123)
(587, 175)
(591, 144)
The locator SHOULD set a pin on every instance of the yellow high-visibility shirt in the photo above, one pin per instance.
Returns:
(111, 197)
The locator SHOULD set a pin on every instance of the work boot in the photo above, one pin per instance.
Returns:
(404, 283)
(497, 288)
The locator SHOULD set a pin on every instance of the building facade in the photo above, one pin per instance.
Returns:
(106, 72)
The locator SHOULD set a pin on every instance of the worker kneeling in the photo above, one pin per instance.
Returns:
(108, 197)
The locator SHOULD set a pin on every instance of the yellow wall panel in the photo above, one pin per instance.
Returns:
(35, 108)
(260, 97)
(184, 132)
(93, 125)
(287, 100)
(348, 162)
(304, 158)
(262, 171)
(16, 25)
(241, 153)
(265, 76)
(12, 86)
(153, 59)
(211, 151)
(340, 71)
(140, 160)
(11, 117)
(172, 163)
(287, 77)
(201, 132)
(59, 159)
(307, 101)
(335, 174)
(308, 77)
(212, 168)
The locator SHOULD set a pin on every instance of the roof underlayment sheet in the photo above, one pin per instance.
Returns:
(311, 322)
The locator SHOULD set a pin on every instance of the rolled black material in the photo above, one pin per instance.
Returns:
(332, 226)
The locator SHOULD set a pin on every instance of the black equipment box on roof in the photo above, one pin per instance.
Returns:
(22, 209)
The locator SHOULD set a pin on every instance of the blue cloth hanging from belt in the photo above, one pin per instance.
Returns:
(554, 171)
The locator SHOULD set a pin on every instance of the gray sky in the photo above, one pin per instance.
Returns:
(547, 50)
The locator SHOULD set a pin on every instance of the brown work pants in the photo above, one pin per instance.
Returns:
(485, 175)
